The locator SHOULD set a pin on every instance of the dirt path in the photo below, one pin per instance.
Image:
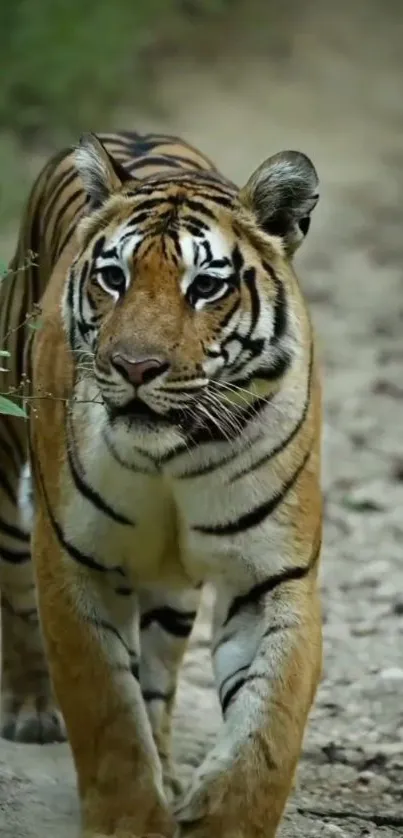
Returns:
(345, 110)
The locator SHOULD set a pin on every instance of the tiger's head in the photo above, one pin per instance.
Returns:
(183, 293)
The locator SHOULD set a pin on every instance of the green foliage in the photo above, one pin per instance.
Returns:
(66, 59)
(11, 409)
(68, 62)
(66, 66)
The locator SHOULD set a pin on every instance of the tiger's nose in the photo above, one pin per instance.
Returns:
(139, 371)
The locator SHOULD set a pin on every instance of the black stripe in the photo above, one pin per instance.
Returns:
(188, 162)
(7, 487)
(265, 458)
(259, 513)
(153, 160)
(63, 182)
(116, 456)
(273, 372)
(150, 203)
(68, 236)
(73, 552)
(124, 590)
(207, 469)
(156, 695)
(61, 244)
(196, 229)
(135, 670)
(82, 558)
(81, 281)
(255, 594)
(58, 221)
(179, 449)
(23, 311)
(98, 248)
(280, 305)
(276, 628)
(9, 451)
(70, 305)
(178, 623)
(91, 494)
(15, 557)
(227, 317)
(234, 690)
(232, 675)
(12, 531)
(249, 277)
(15, 439)
(104, 624)
(28, 286)
(199, 206)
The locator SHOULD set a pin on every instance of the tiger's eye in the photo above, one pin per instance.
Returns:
(114, 279)
(206, 285)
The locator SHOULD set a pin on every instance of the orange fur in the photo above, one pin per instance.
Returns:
(121, 755)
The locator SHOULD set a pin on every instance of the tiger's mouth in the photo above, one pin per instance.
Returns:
(138, 413)
(136, 410)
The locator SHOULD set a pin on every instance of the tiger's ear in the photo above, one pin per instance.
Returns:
(102, 176)
(282, 193)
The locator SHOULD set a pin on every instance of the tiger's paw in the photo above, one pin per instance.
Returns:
(200, 813)
(32, 720)
(225, 801)
(172, 785)
(149, 818)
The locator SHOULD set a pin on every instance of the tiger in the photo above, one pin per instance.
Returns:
(163, 350)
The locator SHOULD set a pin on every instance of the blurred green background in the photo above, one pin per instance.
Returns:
(68, 61)
(236, 77)
(66, 65)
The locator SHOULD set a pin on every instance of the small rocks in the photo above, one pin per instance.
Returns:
(384, 387)
(371, 782)
(392, 673)
(364, 629)
(386, 591)
(333, 829)
(358, 503)
(397, 608)
(397, 471)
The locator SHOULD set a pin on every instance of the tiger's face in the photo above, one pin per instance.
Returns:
(180, 297)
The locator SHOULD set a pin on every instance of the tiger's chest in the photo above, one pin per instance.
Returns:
(127, 514)
(121, 517)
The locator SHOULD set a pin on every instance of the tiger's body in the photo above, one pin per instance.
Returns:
(174, 439)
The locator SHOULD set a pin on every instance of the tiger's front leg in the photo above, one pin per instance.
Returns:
(92, 647)
(166, 623)
(267, 658)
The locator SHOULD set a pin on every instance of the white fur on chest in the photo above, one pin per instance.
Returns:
(169, 512)
(164, 543)
(145, 543)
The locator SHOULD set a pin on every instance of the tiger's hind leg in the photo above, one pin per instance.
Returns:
(28, 711)
(166, 623)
